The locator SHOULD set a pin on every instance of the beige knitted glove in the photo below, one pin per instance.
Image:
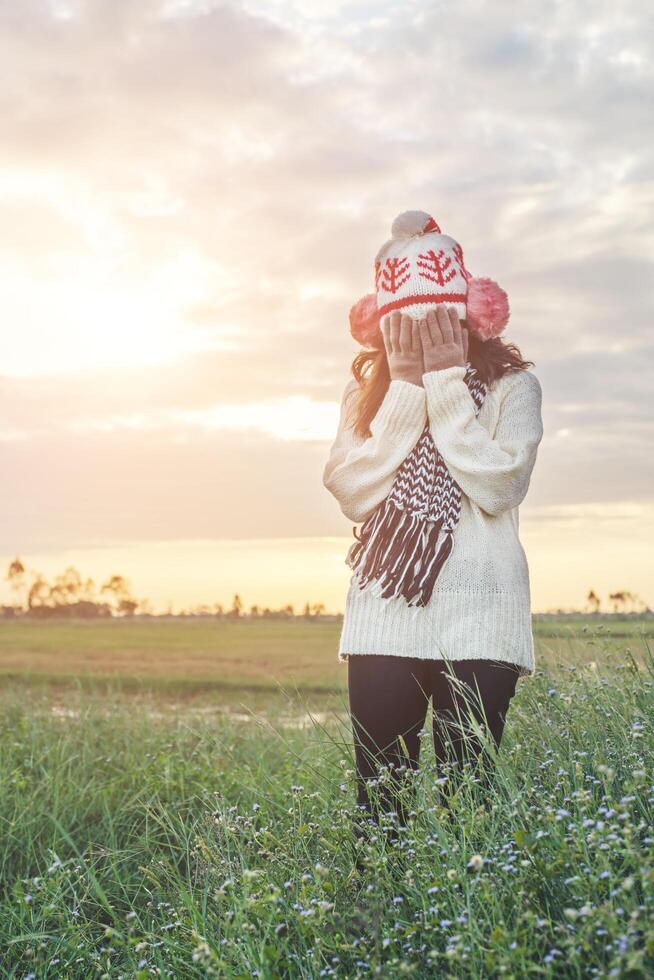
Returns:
(403, 347)
(444, 340)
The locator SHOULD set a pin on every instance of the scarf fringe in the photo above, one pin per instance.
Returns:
(389, 554)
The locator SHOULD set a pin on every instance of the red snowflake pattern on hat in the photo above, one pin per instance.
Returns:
(395, 273)
(436, 266)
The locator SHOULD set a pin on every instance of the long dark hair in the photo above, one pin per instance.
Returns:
(491, 358)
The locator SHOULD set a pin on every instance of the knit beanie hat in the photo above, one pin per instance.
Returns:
(419, 267)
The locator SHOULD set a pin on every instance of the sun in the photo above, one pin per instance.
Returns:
(104, 307)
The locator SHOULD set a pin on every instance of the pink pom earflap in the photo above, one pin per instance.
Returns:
(365, 322)
(487, 307)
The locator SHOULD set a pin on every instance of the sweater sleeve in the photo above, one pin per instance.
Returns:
(360, 472)
(495, 472)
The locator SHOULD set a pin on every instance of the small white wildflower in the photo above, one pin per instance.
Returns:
(201, 952)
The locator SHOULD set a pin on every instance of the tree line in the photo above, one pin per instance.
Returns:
(622, 601)
(70, 595)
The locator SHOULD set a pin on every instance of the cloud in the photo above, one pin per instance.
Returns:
(292, 419)
(189, 482)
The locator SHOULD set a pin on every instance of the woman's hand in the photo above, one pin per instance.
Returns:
(403, 347)
(444, 340)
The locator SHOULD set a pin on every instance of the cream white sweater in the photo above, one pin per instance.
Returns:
(481, 603)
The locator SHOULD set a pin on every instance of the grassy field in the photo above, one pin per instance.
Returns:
(186, 811)
(211, 655)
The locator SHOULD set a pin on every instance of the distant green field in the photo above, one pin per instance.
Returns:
(180, 656)
(205, 655)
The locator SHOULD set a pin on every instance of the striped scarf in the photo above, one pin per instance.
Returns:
(403, 544)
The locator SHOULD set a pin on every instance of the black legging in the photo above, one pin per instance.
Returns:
(389, 697)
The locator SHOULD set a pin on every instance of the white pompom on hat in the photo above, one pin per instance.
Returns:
(419, 267)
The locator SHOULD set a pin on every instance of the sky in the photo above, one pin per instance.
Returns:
(191, 198)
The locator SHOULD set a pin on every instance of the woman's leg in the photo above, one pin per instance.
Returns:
(480, 692)
(388, 698)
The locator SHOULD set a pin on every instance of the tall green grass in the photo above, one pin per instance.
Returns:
(140, 842)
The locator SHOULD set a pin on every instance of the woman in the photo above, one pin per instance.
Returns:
(432, 457)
